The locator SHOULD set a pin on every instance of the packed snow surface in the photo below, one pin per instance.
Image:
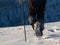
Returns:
(15, 35)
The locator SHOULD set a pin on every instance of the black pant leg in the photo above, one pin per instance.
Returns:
(31, 12)
(41, 10)
(40, 14)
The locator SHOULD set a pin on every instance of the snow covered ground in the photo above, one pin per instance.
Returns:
(15, 35)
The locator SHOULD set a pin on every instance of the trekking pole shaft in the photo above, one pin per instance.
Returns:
(24, 20)
(25, 33)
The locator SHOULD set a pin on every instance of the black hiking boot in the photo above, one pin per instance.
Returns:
(37, 29)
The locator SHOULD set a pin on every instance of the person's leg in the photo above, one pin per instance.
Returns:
(40, 14)
(40, 18)
(33, 9)
(31, 13)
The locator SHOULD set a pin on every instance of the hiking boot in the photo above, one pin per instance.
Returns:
(37, 30)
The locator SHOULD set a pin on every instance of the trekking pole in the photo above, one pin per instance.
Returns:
(24, 20)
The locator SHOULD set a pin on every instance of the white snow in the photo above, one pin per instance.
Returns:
(15, 35)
